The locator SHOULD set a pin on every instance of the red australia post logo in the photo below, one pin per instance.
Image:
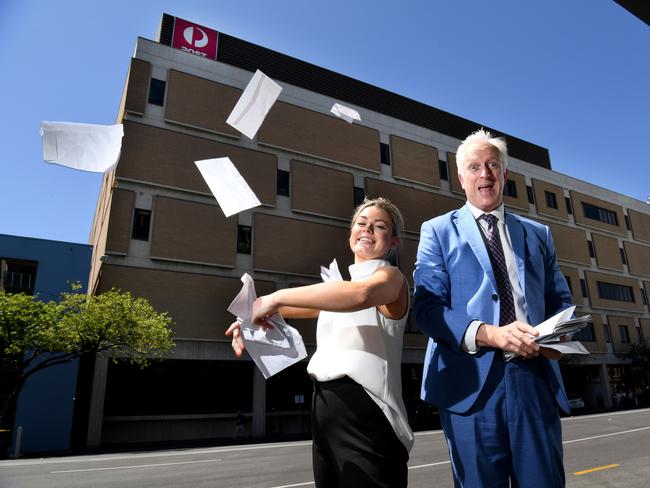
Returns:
(195, 39)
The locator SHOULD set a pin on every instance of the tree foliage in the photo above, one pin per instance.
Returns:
(640, 356)
(35, 335)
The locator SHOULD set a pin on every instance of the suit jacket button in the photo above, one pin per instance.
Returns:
(495, 297)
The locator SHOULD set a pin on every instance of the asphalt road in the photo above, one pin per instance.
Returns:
(604, 450)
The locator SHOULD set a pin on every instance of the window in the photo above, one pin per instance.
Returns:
(569, 207)
(359, 195)
(568, 282)
(612, 291)
(411, 325)
(244, 239)
(625, 334)
(591, 249)
(644, 296)
(583, 287)
(639, 335)
(283, 183)
(608, 336)
(627, 222)
(623, 255)
(442, 168)
(18, 276)
(511, 189)
(157, 92)
(384, 153)
(551, 200)
(598, 213)
(531, 194)
(585, 334)
(141, 224)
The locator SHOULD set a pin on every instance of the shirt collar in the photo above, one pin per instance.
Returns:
(498, 212)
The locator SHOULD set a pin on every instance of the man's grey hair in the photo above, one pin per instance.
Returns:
(481, 136)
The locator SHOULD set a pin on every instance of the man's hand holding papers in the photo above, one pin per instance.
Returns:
(554, 330)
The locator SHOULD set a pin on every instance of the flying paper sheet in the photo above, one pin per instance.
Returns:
(253, 105)
(87, 147)
(227, 185)
(274, 349)
(346, 113)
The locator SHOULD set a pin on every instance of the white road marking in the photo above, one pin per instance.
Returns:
(295, 484)
(188, 452)
(605, 435)
(428, 465)
(134, 466)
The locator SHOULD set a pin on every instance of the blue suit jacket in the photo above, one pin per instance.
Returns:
(455, 284)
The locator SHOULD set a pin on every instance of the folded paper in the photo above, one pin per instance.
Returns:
(274, 349)
(253, 105)
(552, 329)
(346, 113)
(86, 147)
(227, 185)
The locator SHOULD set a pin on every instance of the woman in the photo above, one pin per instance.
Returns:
(361, 436)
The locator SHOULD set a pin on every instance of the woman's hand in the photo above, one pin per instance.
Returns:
(263, 308)
(237, 341)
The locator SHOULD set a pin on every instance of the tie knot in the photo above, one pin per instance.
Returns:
(490, 219)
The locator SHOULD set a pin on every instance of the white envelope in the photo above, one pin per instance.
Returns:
(346, 113)
(573, 347)
(253, 105)
(227, 185)
(86, 147)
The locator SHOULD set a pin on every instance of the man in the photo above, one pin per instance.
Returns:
(482, 276)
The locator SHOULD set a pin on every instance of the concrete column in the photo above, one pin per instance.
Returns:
(96, 414)
(259, 404)
(606, 386)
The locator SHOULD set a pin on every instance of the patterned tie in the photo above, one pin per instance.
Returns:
(507, 305)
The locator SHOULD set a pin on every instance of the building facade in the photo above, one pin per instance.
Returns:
(159, 233)
(47, 403)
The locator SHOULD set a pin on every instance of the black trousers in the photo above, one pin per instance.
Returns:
(354, 444)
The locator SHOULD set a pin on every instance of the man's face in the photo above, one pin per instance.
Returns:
(483, 177)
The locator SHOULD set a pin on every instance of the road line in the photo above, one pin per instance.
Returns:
(599, 468)
(605, 435)
(606, 414)
(428, 432)
(296, 484)
(133, 466)
(429, 465)
(113, 457)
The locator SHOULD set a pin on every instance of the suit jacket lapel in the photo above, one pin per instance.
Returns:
(468, 227)
(518, 240)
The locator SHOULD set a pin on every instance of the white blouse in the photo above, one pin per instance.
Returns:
(367, 347)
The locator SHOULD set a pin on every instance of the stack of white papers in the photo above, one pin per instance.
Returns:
(274, 349)
(346, 113)
(253, 105)
(559, 325)
(227, 185)
(86, 147)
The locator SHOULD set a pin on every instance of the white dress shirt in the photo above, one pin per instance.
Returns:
(469, 342)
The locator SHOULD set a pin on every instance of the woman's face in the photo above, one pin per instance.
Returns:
(372, 236)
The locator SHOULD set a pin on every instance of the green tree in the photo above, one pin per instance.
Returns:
(640, 356)
(35, 335)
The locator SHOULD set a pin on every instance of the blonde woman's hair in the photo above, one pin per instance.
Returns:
(397, 221)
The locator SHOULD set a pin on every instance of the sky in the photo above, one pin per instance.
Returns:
(570, 76)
